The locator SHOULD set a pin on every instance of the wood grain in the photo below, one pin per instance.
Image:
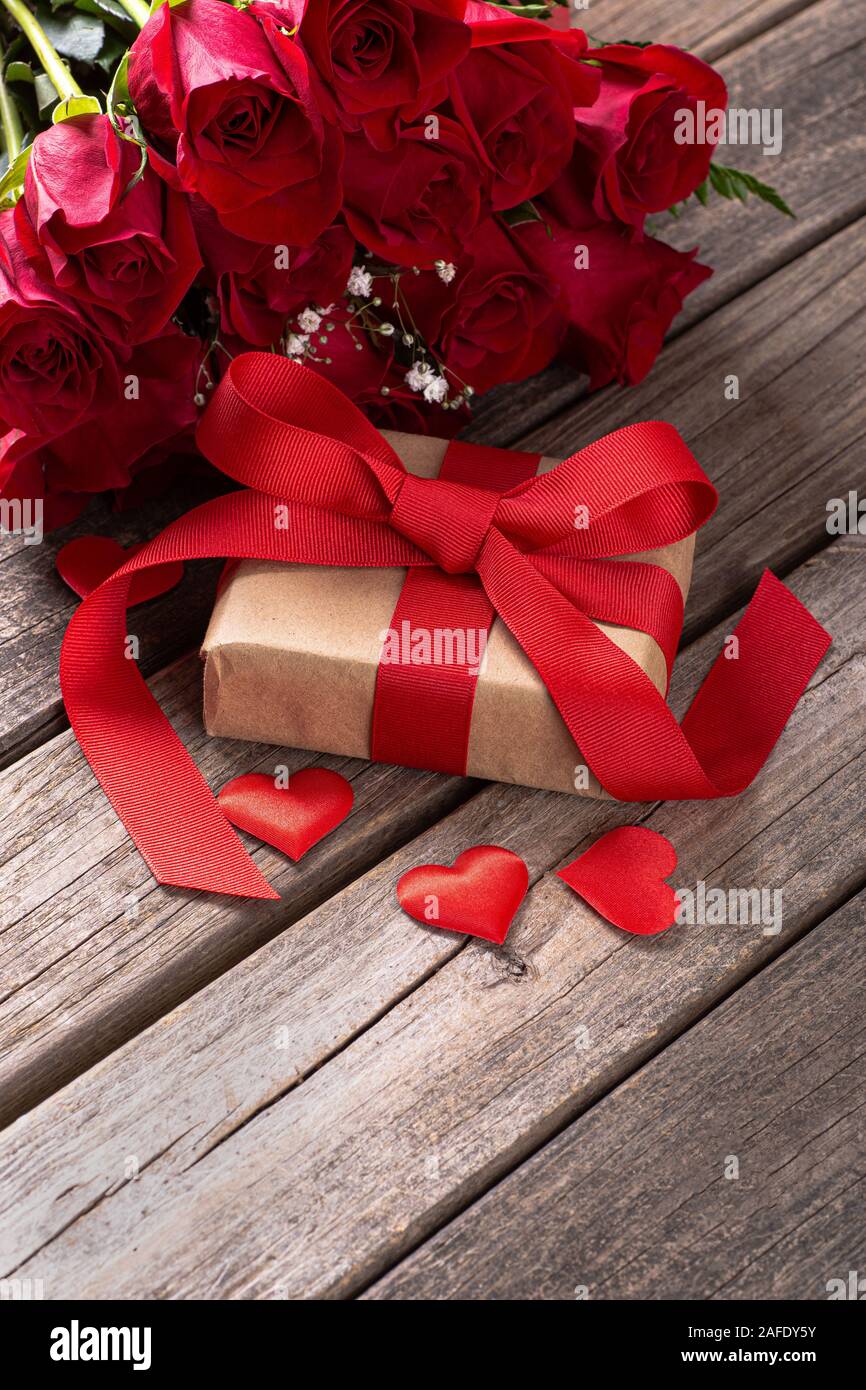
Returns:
(79, 977)
(812, 68)
(36, 605)
(710, 30)
(360, 1079)
(729, 1167)
(92, 949)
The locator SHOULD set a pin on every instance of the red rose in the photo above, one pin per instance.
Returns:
(636, 164)
(129, 255)
(620, 291)
(55, 366)
(382, 59)
(420, 201)
(151, 406)
(156, 404)
(236, 120)
(499, 320)
(258, 297)
(515, 94)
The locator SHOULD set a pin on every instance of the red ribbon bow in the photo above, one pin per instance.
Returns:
(346, 499)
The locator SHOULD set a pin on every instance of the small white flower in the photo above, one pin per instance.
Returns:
(360, 282)
(437, 390)
(296, 344)
(386, 329)
(419, 376)
(309, 320)
(446, 271)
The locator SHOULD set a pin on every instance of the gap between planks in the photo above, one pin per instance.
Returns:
(322, 1191)
(72, 870)
(759, 1079)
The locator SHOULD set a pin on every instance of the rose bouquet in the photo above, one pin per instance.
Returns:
(420, 199)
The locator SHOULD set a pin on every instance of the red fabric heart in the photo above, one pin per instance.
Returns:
(621, 876)
(85, 562)
(479, 895)
(292, 818)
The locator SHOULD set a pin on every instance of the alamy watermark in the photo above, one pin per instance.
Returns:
(712, 907)
(703, 125)
(22, 516)
(437, 646)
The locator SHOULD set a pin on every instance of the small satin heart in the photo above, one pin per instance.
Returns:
(292, 818)
(622, 875)
(478, 895)
(84, 563)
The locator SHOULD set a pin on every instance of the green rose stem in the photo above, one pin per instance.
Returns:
(55, 69)
(9, 118)
(138, 10)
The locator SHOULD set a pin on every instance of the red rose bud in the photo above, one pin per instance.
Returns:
(637, 166)
(418, 202)
(620, 290)
(382, 60)
(124, 248)
(515, 94)
(234, 120)
(498, 320)
(55, 366)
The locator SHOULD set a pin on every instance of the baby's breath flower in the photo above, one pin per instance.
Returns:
(309, 320)
(296, 344)
(360, 282)
(445, 270)
(419, 376)
(436, 390)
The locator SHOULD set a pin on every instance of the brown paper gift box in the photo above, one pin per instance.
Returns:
(292, 651)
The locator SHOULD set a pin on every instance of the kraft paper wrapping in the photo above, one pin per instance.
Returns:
(292, 651)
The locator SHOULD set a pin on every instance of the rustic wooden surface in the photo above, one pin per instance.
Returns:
(319, 1098)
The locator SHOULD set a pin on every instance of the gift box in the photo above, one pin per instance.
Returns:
(292, 657)
(339, 539)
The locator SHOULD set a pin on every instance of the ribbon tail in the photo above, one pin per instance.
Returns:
(619, 721)
(142, 766)
(140, 762)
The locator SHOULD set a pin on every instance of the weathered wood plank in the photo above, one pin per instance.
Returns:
(729, 1167)
(812, 67)
(265, 1173)
(76, 969)
(92, 949)
(790, 442)
(709, 30)
(35, 607)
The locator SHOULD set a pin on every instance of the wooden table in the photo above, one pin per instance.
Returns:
(319, 1098)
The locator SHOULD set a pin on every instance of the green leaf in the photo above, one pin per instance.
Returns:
(111, 9)
(524, 212)
(626, 43)
(19, 72)
(737, 183)
(75, 35)
(75, 106)
(538, 11)
(702, 193)
(118, 92)
(46, 94)
(12, 183)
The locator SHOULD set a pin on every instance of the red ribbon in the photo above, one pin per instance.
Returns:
(344, 498)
